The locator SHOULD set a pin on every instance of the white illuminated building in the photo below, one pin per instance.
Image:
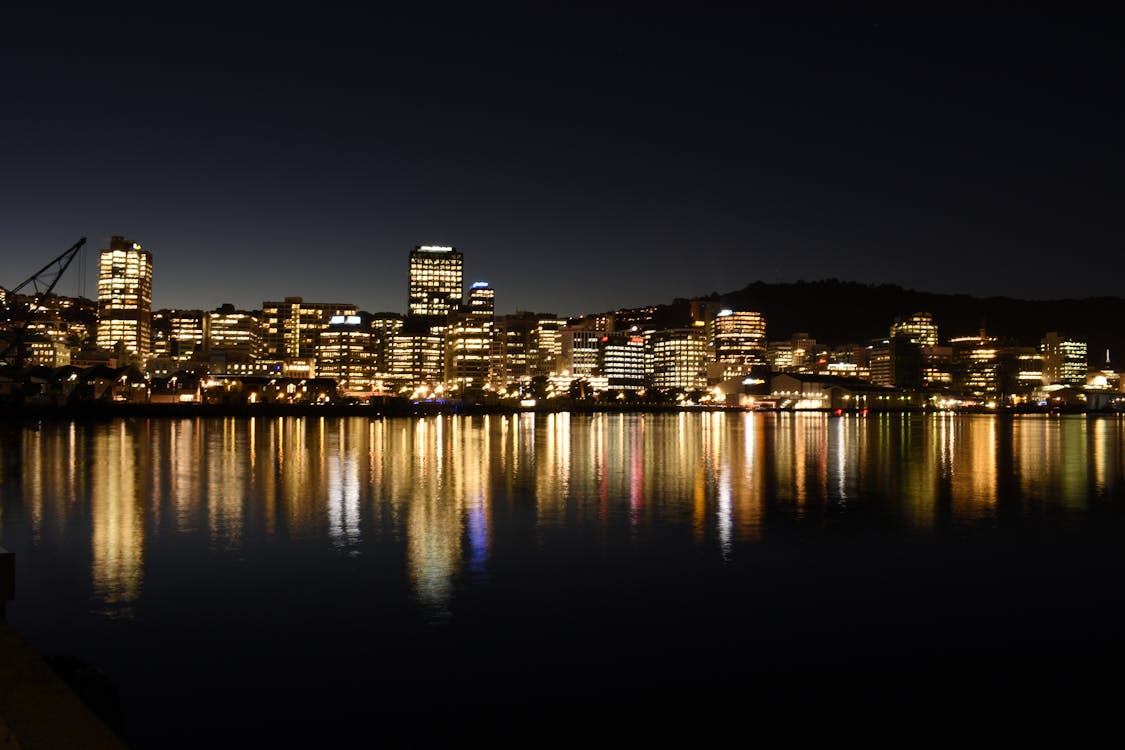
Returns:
(125, 298)
(436, 280)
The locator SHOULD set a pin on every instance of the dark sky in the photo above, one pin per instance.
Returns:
(582, 159)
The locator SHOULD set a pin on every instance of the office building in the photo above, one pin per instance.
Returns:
(384, 327)
(679, 359)
(469, 342)
(125, 298)
(739, 336)
(345, 353)
(623, 361)
(919, 328)
(436, 281)
(236, 333)
(291, 328)
(976, 363)
(178, 334)
(580, 350)
(416, 358)
(1064, 359)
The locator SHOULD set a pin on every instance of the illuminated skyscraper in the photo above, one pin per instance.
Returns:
(679, 359)
(469, 340)
(976, 363)
(416, 361)
(1064, 359)
(344, 352)
(919, 328)
(740, 336)
(622, 360)
(436, 279)
(125, 298)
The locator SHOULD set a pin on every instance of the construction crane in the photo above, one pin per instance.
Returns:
(13, 350)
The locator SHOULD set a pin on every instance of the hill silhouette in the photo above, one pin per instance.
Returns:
(838, 312)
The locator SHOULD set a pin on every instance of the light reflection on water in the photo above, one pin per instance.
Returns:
(450, 488)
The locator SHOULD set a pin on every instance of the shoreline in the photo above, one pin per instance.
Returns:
(97, 411)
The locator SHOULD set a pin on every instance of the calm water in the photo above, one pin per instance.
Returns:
(539, 577)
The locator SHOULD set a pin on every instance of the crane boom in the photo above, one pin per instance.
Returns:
(14, 350)
(55, 267)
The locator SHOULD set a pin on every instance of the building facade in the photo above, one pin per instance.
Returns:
(436, 281)
(469, 342)
(679, 359)
(291, 328)
(125, 298)
(739, 336)
(1064, 359)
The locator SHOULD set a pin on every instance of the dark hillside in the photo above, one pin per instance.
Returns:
(838, 312)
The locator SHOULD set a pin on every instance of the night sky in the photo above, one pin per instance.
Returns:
(582, 160)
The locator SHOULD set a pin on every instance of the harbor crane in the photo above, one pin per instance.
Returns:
(13, 347)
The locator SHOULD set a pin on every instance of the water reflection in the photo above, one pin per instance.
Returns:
(445, 493)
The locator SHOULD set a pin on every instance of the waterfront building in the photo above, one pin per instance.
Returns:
(178, 335)
(125, 298)
(1104, 378)
(236, 334)
(896, 362)
(517, 347)
(417, 358)
(739, 336)
(679, 359)
(469, 342)
(291, 328)
(1021, 370)
(436, 281)
(937, 365)
(45, 350)
(846, 360)
(779, 355)
(345, 353)
(794, 354)
(919, 328)
(548, 338)
(803, 391)
(622, 360)
(803, 348)
(384, 327)
(1064, 359)
(580, 351)
(976, 365)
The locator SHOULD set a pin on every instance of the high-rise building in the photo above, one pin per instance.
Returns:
(345, 353)
(469, 340)
(549, 344)
(416, 361)
(125, 298)
(436, 281)
(622, 360)
(679, 359)
(919, 328)
(580, 349)
(178, 334)
(291, 328)
(1064, 359)
(896, 362)
(976, 363)
(384, 327)
(739, 336)
(237, 333)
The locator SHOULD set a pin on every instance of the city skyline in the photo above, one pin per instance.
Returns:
(639, 157)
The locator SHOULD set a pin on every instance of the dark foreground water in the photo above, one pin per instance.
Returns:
(539, 580)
